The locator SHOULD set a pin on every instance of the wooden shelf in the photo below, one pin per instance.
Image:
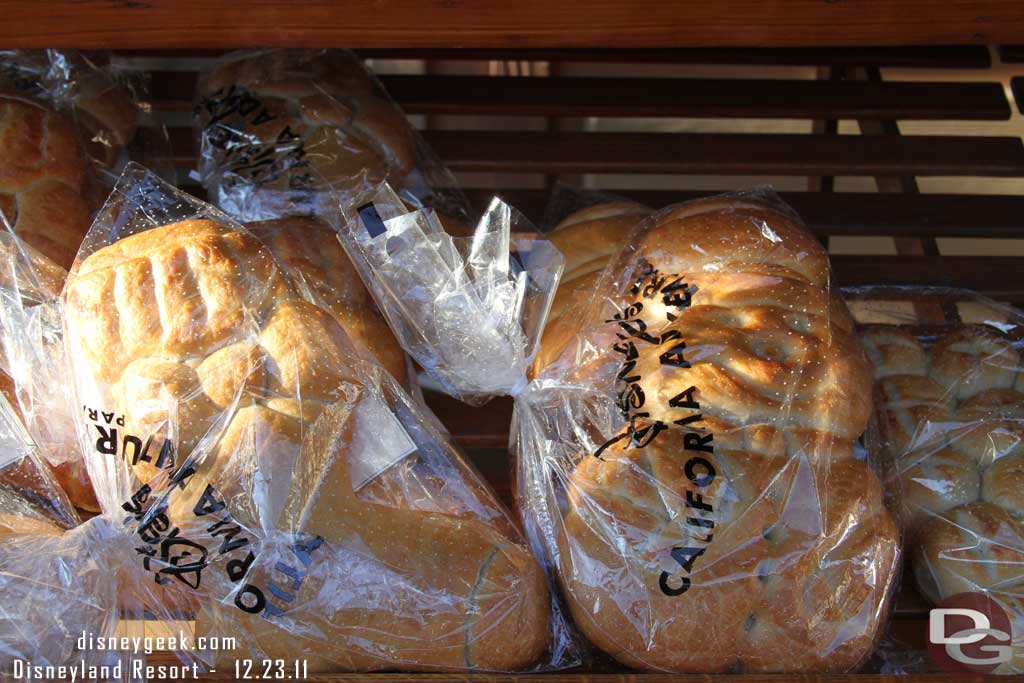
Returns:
(498, 23)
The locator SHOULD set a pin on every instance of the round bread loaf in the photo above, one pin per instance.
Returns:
(951, 417)
(185, 322)
(729, 526)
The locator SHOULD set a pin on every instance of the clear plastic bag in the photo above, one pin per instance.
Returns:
(274, 473)
(471, 310)
(52, 589)
(949, 426)
(33, 362)
(687, 457)
(282, 130)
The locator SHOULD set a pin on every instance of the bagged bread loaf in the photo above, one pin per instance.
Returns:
(278, 128)
(686, 447)
(950, 420)
(282, 478)
(687, 452)
(68, 127)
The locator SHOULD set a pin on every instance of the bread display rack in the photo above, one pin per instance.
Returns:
(848, 44)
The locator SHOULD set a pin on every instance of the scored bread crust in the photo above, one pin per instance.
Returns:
(799, 569)
(182, 319)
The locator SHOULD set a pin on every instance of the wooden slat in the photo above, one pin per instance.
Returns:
(712, 154)
(175, 91)
(840, 214)
(843, 214)
(916, 56)
(929, 56)
(723, 154)
(1000, 277)
(164, 658)
(499, 23)
(1011, 53)
(1017, 86)
(697, 97)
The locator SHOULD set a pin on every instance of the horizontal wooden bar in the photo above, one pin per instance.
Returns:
(1000, 277)
(654, 97)
(927, 56)
(1011, 53)
(728, 154)
(839, 214)
(621, 675)
(498, 23)
(711, 154)
(697, 97)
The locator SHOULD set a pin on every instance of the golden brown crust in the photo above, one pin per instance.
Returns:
(894, 351)
(17, 525)
(590, 237)
(42, 178)
(796, 547)
(972, 359)
(728, 235)
(318, 265)
(952, 420)
(763, 578)
(199, 317)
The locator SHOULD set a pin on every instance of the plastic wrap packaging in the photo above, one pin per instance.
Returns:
(471, 310)
(67, 128)
(282, 130)
(33, 366)
(273, 472)
(58, 577)
(687, 448)
(949, 425)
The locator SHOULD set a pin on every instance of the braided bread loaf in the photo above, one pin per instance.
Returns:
(951, 417)
(728, 527)
(195, 328)
(286, 120)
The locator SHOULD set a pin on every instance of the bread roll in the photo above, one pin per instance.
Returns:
(185, 320)
(43, 184)
(728, 527)
(309, 250)
(951, 416)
